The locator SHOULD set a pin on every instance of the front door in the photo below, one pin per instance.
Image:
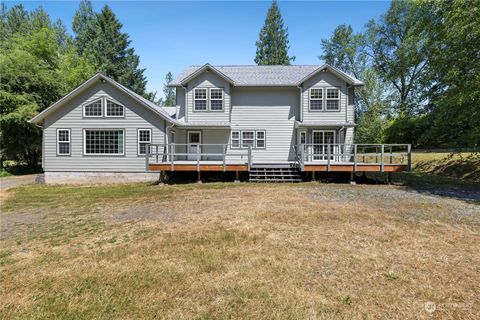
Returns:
(322, 141)
(194, 142)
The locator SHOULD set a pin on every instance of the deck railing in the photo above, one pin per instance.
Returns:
(305, 154)
(175, 153)
(375, 154)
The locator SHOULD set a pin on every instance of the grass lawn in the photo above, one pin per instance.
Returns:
(459, 165)
(238, 251)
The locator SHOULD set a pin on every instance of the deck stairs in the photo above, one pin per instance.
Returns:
(274, 173)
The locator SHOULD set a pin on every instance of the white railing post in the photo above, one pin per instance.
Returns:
(249, 157)
(198, 157)
(147, 156)
(382, 155)
(224, 151)
(409, 155)
(171, 156)
(328, 157)
(302, 157)
(354, 158)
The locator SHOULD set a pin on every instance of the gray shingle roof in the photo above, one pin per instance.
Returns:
(253, 75)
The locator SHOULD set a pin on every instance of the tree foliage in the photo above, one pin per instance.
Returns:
(39, 65)
(346, 51)
(99, 38)
(169, 92)
(421, 70)
(272, 45)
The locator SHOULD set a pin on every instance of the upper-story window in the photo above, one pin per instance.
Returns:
(333, 99)
(316, 99)
(200, 99)
(205, 99)
(103, 107)
(216, 99)
(94, 109)
(114, 109)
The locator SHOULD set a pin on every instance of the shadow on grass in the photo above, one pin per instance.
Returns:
(434, 185)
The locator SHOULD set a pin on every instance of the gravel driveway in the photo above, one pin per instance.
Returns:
(12, 182)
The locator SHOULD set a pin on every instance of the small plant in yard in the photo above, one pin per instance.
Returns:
(345, 300)
(390, 275)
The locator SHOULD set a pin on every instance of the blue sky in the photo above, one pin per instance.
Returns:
(168, 36)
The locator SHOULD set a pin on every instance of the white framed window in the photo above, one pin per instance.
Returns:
(316, 99)
(235, 140)
(103, 141)
(260, 139)
(93, 109)
(200, 99)
(63, 142)
(216, 99)
(332, 99)
(144, 138)
(248, 139)
(114, 110)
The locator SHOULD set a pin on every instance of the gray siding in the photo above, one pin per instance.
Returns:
(271, 109)
(324, 80)
(208, 80)
(71, 116)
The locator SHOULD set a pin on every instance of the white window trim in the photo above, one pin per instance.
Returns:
(210, 99)
(333, 99)
(101, 108)
(105, 102)
(253, 139)
(195, 99)
(102, 154)
(264, 139)
(69, 142)
(310, 99)
(139, 142)
(239, 139)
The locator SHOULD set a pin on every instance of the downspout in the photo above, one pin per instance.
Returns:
(301, 102)
(301, 116)
(186, 103)
(347, 104)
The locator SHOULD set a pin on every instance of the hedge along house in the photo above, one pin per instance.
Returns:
(271, 121)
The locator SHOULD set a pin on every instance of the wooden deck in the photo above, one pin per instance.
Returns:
(308, 167)
(351, 168)
(200, 167)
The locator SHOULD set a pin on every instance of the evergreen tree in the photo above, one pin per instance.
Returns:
(83, 25)
(272, 46)
(99, 37)
(169, 92)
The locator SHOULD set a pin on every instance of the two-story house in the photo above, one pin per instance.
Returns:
(227, 118)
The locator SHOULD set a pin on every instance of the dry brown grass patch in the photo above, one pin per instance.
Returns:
(252, 251)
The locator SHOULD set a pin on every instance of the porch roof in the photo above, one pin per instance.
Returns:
(307, 124)
(203, 124)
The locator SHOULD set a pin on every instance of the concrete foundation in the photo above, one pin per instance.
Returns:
(99, 177)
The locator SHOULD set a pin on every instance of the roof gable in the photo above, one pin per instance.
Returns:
(253, 75)
(205, 68)
(100, 77)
